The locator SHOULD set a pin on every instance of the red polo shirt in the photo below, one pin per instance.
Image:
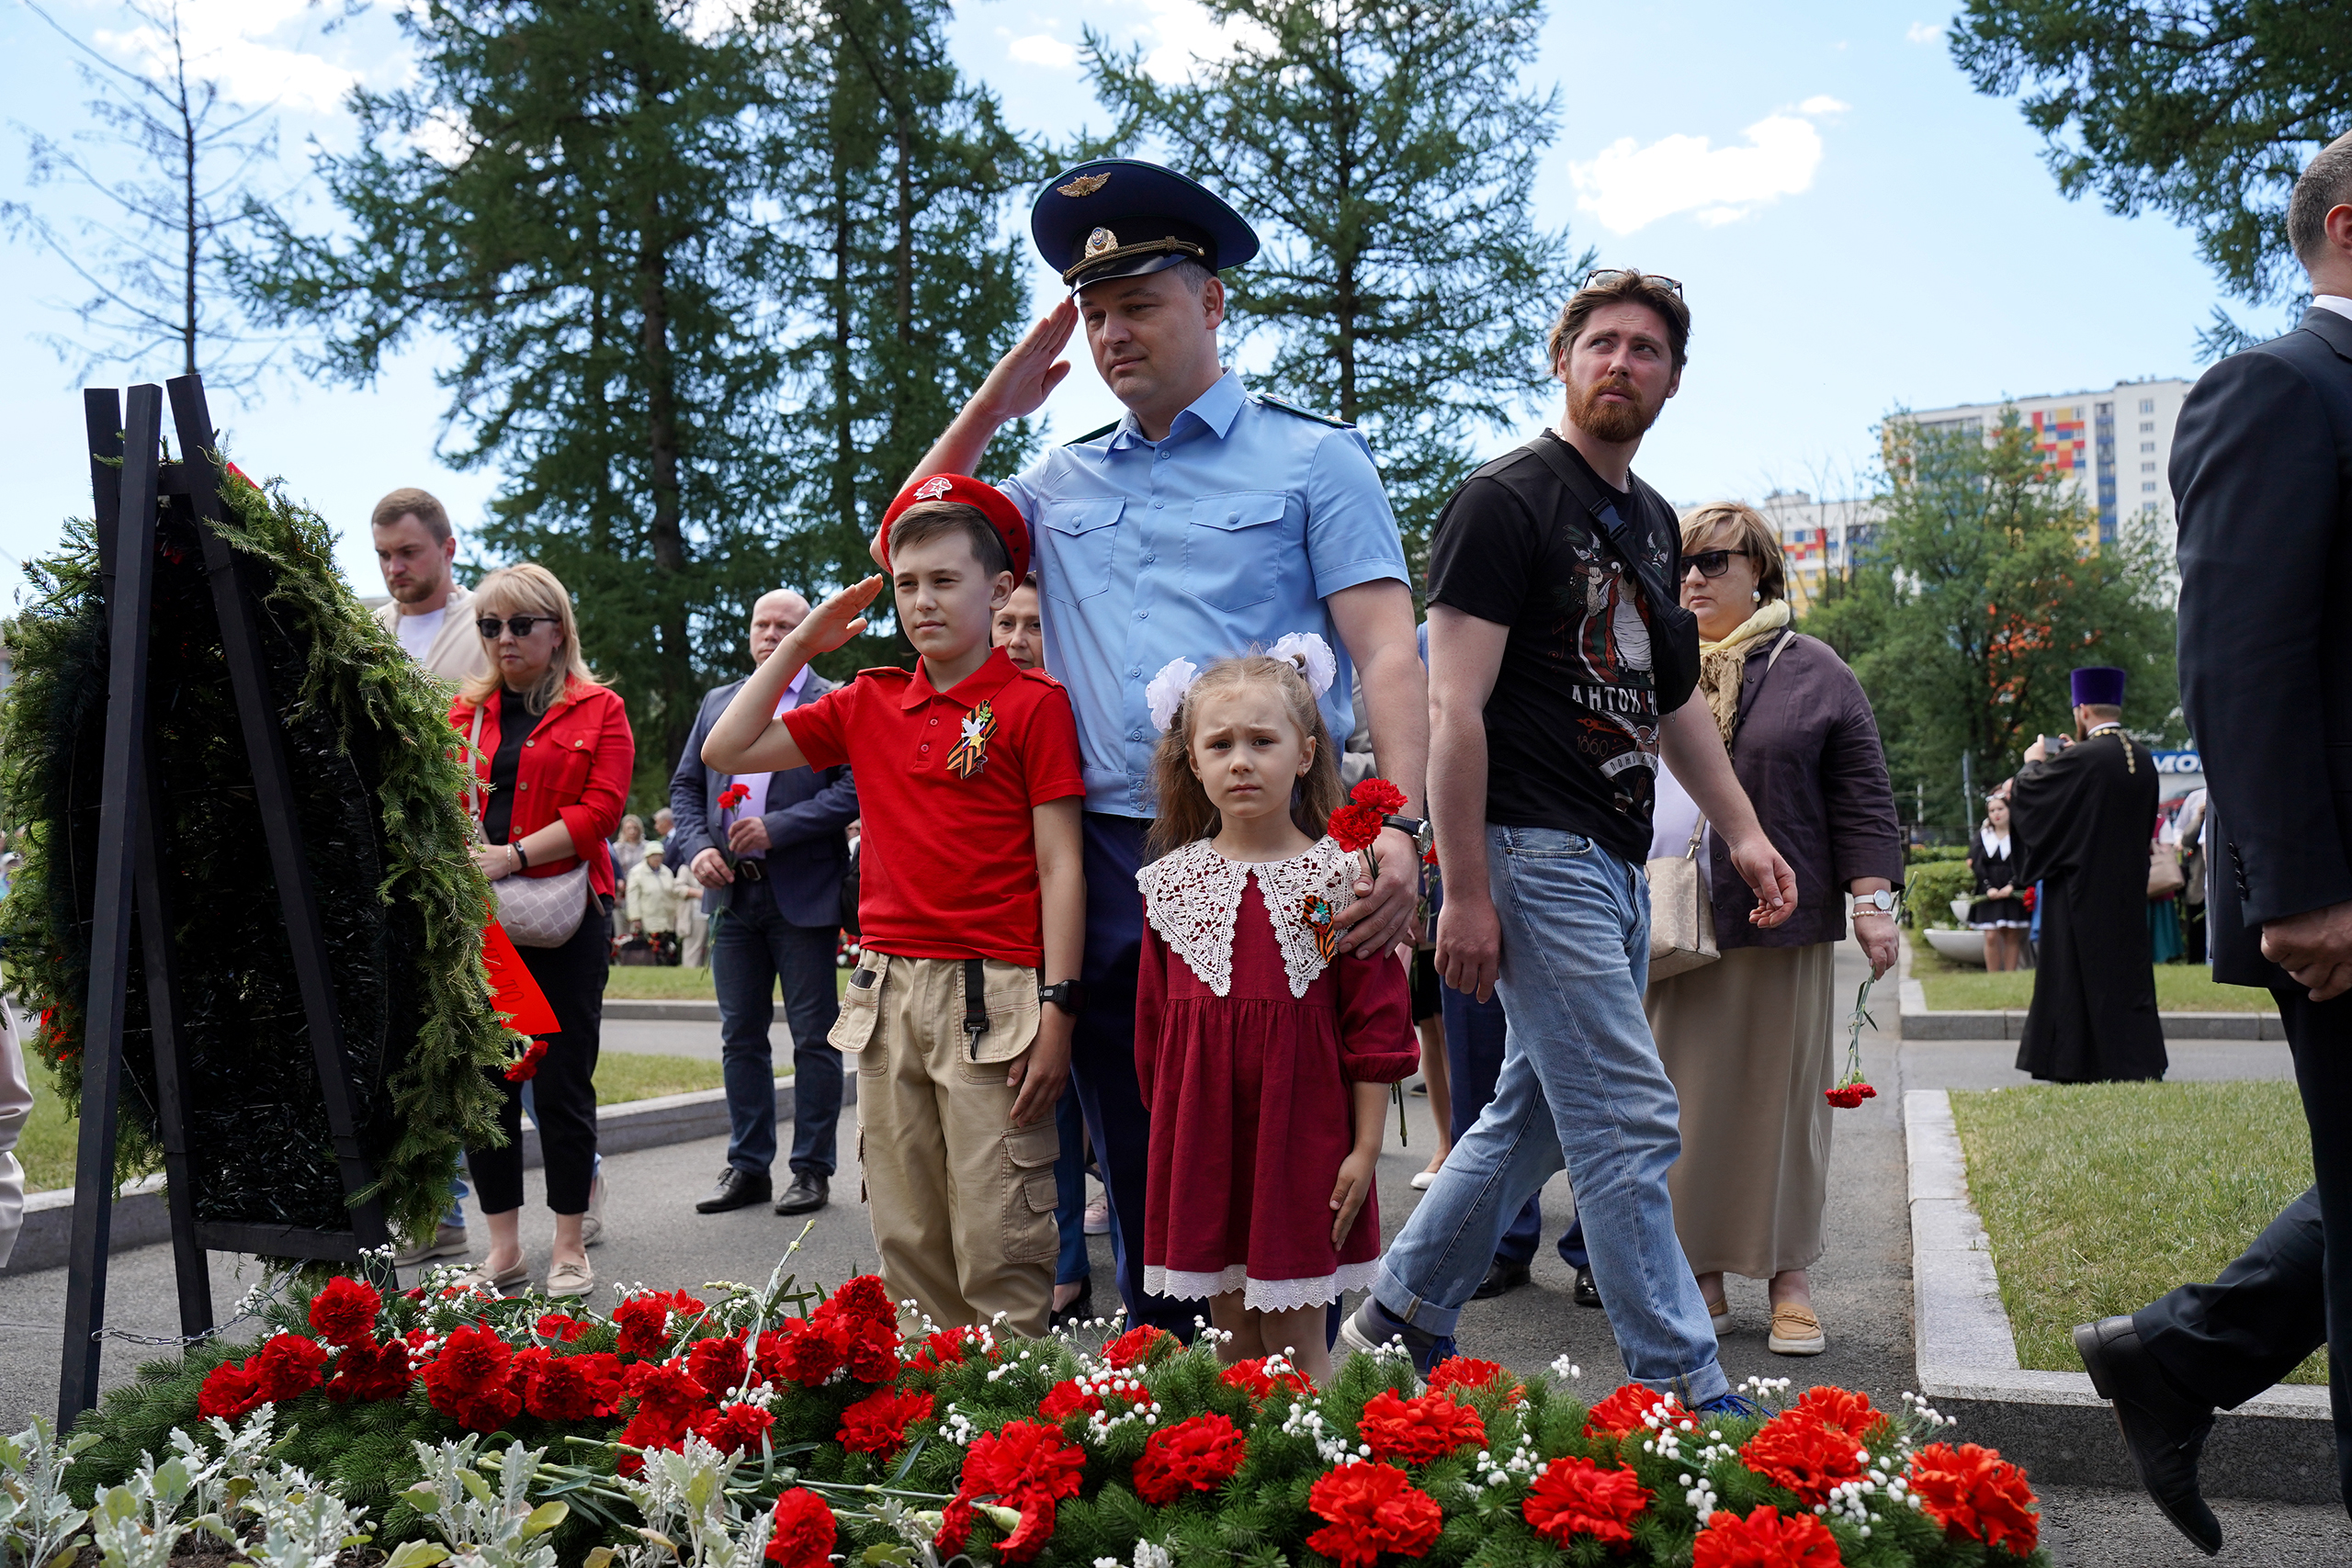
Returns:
(947, 851)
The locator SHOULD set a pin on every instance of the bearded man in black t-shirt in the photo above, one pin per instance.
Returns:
(1560, 670)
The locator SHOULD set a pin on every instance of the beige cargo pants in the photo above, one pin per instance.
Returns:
(962, 1201)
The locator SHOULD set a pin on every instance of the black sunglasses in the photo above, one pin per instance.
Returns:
(519, 625)
(1711, 563)
(1603, 275)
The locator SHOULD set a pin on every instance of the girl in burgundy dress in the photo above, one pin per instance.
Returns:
(1263, 1052)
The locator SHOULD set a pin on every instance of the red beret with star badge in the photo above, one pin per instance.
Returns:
(1002, 515)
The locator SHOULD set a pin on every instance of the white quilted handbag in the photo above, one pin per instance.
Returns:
(537, 911)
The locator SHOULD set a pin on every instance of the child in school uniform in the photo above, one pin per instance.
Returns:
(971, 897)
(1265, 1053)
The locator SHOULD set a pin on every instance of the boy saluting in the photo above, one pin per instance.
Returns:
(971, 896)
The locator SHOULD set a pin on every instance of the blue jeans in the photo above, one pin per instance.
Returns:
(1475, 1038)
(1069, 1192)
(751, 947)
(1580, 1073)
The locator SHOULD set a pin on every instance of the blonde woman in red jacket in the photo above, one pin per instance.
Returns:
(555, 758)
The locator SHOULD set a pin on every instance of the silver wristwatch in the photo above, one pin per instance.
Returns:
(1884, 901)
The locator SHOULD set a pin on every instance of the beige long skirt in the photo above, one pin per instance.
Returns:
(1746, 1041)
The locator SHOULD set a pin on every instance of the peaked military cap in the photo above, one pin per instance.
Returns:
(1122, 218)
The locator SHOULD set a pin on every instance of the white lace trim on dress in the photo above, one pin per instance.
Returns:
(1261, 1295)
(1193, 896)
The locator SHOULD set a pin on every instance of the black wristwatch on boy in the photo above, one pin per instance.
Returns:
(1068, 996)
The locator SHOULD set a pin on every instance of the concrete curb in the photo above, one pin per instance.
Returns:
(1920, 1022)
(2279, 1444)
(141, 1218)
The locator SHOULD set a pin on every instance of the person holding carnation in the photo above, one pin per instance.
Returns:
(1263, 1051)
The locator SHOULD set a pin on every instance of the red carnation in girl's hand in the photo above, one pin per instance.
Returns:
(1766, 1538)
(1622, 1411)
(571, 1388)
(1139, 1347)
(230, 1391)
(1353, 827)
(468, 1380)
(1796, 1450)
(1253, 1378)
(1973, 1491)
(525, 1067)
(1371, 1508)
(1198, 1455)
(1415, 1431)
(877, 1424)
(733, 795)
(369, 1372)
(1852, 1414)
(805, 1532)
(345, 1313)
(1380, 795)
(287, 1367)
(1575, 1497)
(1066, 1399)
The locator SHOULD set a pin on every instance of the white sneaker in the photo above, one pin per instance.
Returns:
(591, 1223)
(1098, 1217)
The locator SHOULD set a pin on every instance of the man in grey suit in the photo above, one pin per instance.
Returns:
(771, 868)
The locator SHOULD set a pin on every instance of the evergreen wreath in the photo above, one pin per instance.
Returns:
(378, 779)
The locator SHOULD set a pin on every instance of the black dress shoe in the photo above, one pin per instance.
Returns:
(2164, 1430)
(736, 1189)
(807, 1194)
(1587, 1293)
(1501, 1278)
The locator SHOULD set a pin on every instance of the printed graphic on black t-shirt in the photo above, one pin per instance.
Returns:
(1572, 723)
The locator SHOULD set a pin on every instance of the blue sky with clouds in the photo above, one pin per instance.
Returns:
(1855, 228)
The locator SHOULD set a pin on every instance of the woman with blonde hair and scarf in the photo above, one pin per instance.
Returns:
(1750, 1040)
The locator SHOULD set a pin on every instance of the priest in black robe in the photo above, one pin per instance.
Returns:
(2082, 821)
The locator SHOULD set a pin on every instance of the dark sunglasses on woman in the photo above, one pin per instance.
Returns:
(1711, 563)
(520, 625)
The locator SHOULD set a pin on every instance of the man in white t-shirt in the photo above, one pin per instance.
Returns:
(428, 613)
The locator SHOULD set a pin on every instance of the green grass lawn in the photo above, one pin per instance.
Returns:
(2099, 1198)
(47, 1144)
(657, 983)
(2180, 987)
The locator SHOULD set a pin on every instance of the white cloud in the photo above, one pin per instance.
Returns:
(229, 41)
(1043, 48)
(1186, 38)
(1923, 32)
(1629, 186)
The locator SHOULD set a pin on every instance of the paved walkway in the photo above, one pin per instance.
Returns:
(1861, 1287)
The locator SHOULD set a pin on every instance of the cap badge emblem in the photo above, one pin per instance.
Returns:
(936, 486)
(1100, 241)
(1084, 185)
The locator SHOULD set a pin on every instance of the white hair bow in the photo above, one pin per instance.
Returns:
(1317, 665)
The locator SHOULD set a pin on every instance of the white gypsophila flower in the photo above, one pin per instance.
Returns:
(1316, 659)
(1165, 694)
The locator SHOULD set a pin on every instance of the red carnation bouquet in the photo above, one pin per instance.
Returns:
(1853, 1089)
(1355, 827)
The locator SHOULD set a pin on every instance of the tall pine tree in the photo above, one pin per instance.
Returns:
(1386, 152)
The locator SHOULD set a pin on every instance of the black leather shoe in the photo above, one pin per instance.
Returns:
(2163, 1431)
(1080, 1308)
(1501, 1278)
(1587, 1293)
(807, 1194)
(736, 1189)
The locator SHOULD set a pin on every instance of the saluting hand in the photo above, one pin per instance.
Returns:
(1026, 377)
(838, 619)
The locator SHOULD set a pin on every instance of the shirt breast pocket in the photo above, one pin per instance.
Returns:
(1075, 541)
(571, 775)
(1235, 553)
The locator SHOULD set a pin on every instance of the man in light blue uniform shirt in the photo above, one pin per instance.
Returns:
(1207, 521)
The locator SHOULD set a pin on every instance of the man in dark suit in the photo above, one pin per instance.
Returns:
(2260, 463)
(771, 868)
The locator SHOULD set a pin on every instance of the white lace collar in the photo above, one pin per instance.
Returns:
(1193, 896)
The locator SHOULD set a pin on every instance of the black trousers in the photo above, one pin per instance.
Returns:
(2289, 1292)
(564, 1091)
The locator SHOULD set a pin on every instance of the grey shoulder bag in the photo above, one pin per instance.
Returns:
(537, 911)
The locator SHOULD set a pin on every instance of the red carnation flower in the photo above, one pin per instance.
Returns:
(1575, 1497)
(1253, 1378)
(367, 1371)
(1796, 1450)
(805, 1532)
(798, 1351)
(1379, 795)
(943, 1348)
(1973, 1491)
(1766, 1538)
(644, 1322)
(525, 1067)
(1353, 827)
(956, 1522)
(1371, 1508)
(1852, 1414)
(1462, 1372)
(345, 1313)
(469, 1382)
(666, 1391)
(733, 795)
(1198, 1455)
(866, 1297)
(1622, 1411)
(571, 1388)
(1029, 1466)
(868, 1346)
(877, 1424)
(559, 1327)
(1139, 1347)
(1845, 1097)
(718, 1364)
(230, 1391)
(1066, 1399)
(287, 1367)
(734, 1429)
(1415, 1431)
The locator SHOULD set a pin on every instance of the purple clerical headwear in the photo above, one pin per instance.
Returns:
(2099, 686)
